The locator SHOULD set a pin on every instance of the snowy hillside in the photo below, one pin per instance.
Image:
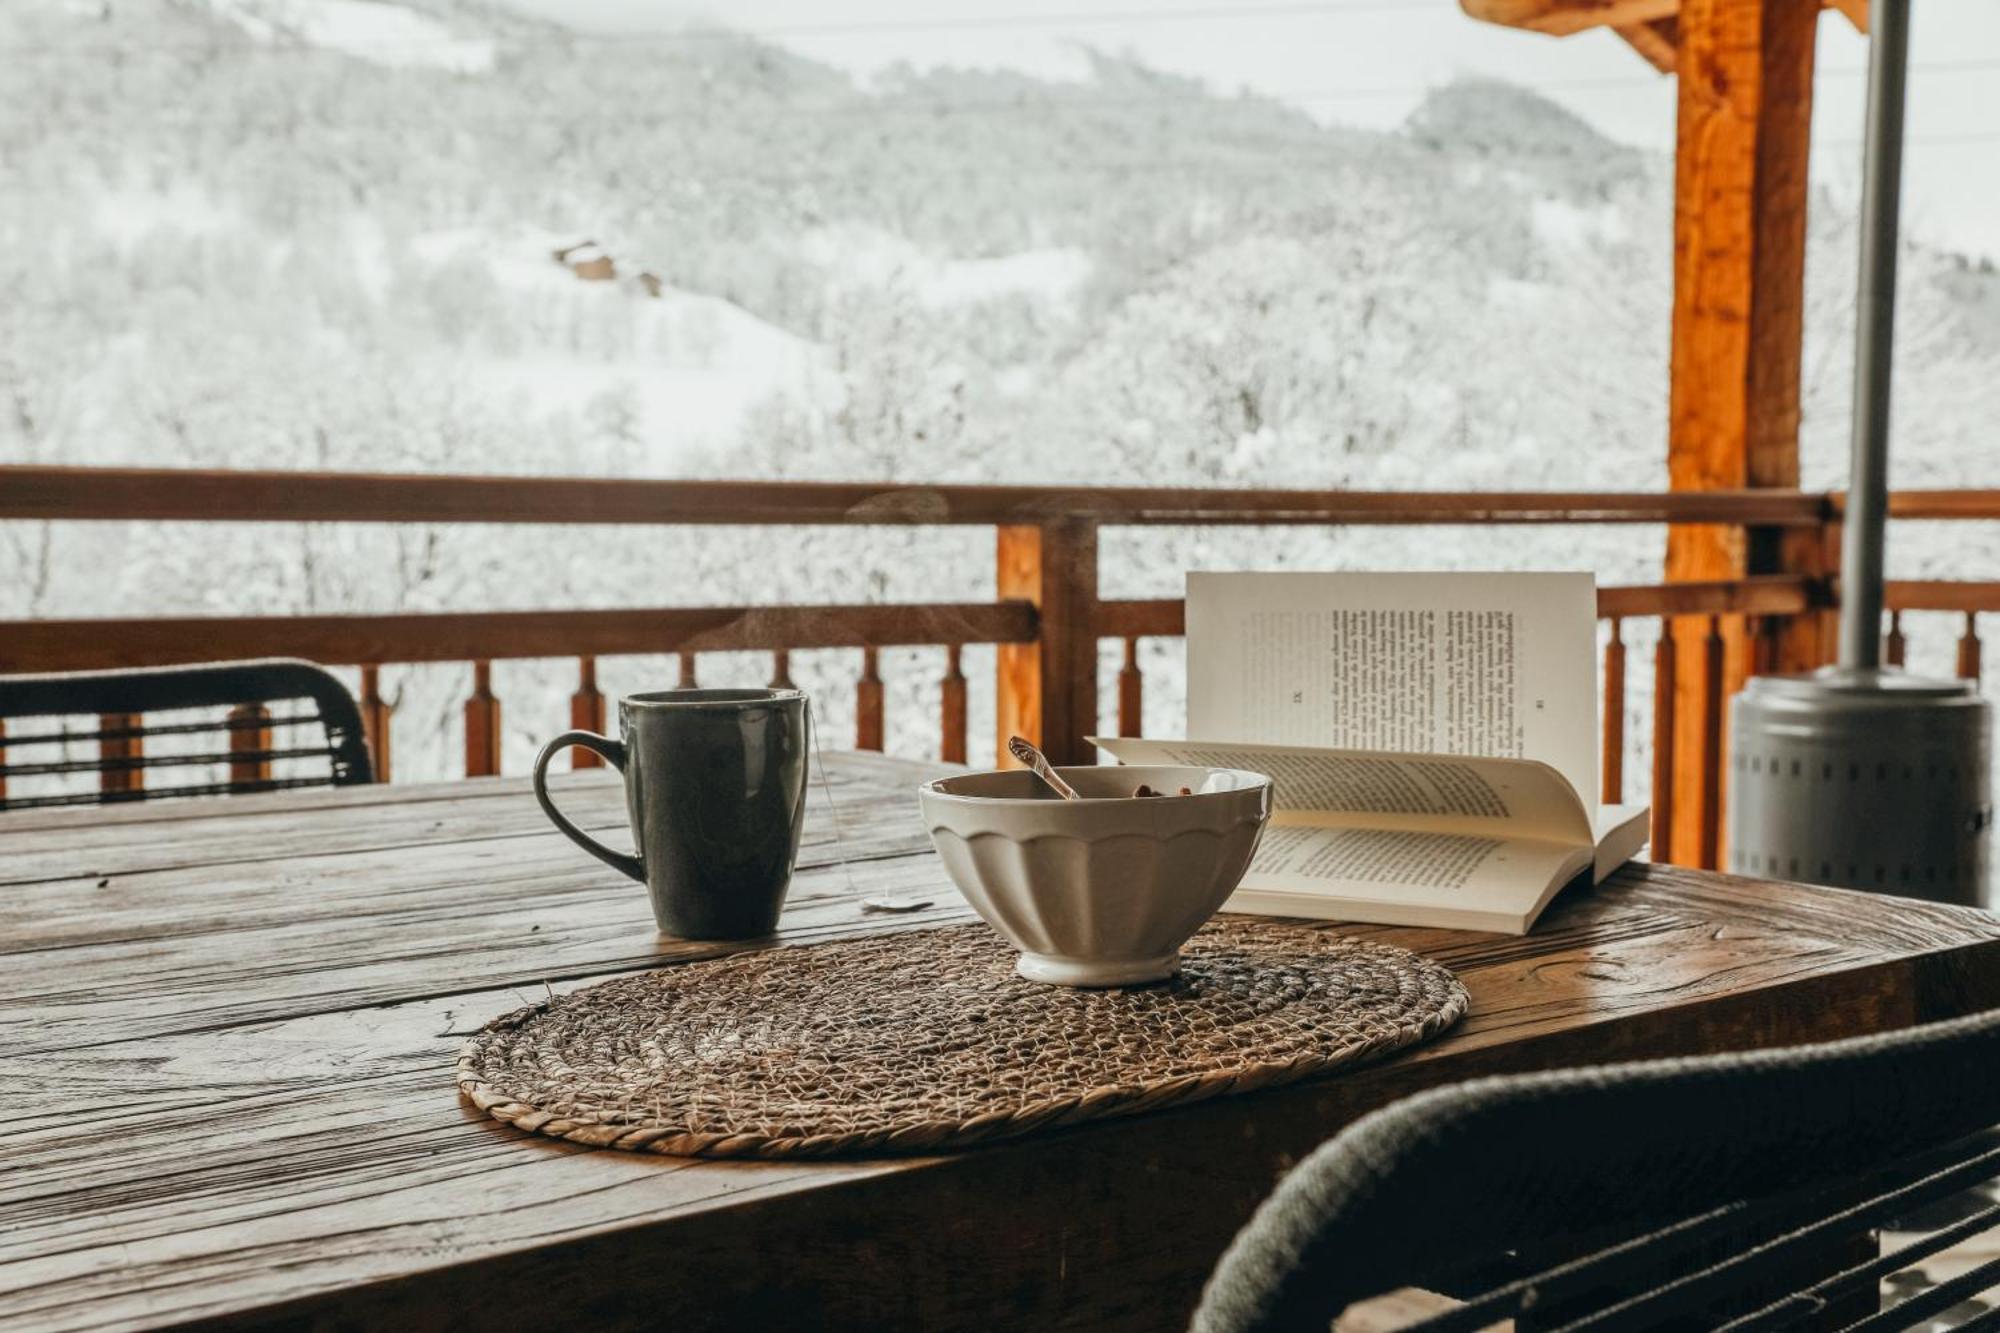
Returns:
(325, 234)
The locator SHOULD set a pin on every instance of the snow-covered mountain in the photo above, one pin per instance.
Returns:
(325, 233)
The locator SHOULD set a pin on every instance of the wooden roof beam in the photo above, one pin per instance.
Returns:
(1659, 41)
(1634, 20)
(1561, 17)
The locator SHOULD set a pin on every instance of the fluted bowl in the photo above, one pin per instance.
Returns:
(1101, 891)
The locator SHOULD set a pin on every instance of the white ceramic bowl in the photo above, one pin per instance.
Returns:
(1101, 891)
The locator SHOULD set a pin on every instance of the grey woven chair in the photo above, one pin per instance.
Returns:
(1740, 1191)
(231, 727)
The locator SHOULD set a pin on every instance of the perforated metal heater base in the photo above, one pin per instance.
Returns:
(1863, 779)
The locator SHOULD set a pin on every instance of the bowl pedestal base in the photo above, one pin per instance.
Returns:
(1054, 971)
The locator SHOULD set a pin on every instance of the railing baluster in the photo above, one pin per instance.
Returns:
(586, 711)
(1663, 744)
(868, 703)
(114, 748)
(3, 765)
(482, 725)
(1712, 664)
(375, 720)
(951, 707)
(1895, 646)
(1766, 645)
(1968, 649)
(781, 669)
(686, 682)
(1131, 691)
(1614, 716)
(249, 732)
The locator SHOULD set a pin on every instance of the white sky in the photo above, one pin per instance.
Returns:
(1368, 62)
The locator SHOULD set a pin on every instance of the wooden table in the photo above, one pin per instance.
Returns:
(227, 1030)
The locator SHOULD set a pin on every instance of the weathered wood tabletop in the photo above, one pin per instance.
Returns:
(227, 1030)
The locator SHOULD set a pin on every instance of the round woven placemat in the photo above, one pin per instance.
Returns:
(922, 1040)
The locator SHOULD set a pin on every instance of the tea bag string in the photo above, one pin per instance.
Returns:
(832, 810)
(879, 902)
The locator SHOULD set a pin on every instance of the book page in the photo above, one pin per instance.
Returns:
(1419, 878)
(1494, 665)
(1423, 792)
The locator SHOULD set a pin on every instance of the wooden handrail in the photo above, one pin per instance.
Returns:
(97, 494)
(76, 645)
(1956, 504)
(1764, 594)
(1941, 595)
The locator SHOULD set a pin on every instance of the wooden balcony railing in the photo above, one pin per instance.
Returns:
(1047, 621)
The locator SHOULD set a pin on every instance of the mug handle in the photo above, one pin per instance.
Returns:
(611, 752)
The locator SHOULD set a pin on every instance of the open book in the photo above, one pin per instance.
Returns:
(1455, 783)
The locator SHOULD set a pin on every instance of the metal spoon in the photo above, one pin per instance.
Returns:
(1032, 757)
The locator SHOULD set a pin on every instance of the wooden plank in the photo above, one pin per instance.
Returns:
(1969, 503)
(1745, 115)
(1941, 594)
(303, 1187)
(1560, 18)
(187, 494)
(1046, 691)
(1762, 594)
(76, 645)
(68, 844)
(265, 1055)
(1658, 42)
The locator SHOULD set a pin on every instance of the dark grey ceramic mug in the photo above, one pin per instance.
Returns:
(715, 784)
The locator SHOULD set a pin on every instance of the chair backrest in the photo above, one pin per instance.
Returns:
(105, 736)
(1682, 1192)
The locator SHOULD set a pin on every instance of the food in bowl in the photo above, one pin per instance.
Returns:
(1100, 891)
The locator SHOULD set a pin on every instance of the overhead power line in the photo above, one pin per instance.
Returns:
(1056, 22)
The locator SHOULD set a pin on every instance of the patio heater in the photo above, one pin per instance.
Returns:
(1856, 774)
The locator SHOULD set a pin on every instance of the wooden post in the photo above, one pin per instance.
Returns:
(482, 725)
(1614, 717)
(1712, 668)
(115, 748)
(1666, 656)
(1046, 691)
(249, 732)
(781, 669)
(1744, 130)
(375, 720)
(951, 707)
(1131, 691)
(586, 711)
(868, 729)
(1968, 649)
(686, 682)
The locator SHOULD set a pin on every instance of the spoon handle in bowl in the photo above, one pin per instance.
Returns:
(1034, 759)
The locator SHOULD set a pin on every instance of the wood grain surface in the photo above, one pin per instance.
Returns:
(227, 1031)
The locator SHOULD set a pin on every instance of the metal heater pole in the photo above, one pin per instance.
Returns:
(1875, 333)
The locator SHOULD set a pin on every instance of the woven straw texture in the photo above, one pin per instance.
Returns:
(926, 1040)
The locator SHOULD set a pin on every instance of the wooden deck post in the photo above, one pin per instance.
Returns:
(249, 737)
(375, 720)
(1046, 691)
(1745, 89)
(586, 711)
(482, 725)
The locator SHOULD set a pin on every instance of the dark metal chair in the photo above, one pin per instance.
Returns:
(241, 726)
(1739, 1191)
